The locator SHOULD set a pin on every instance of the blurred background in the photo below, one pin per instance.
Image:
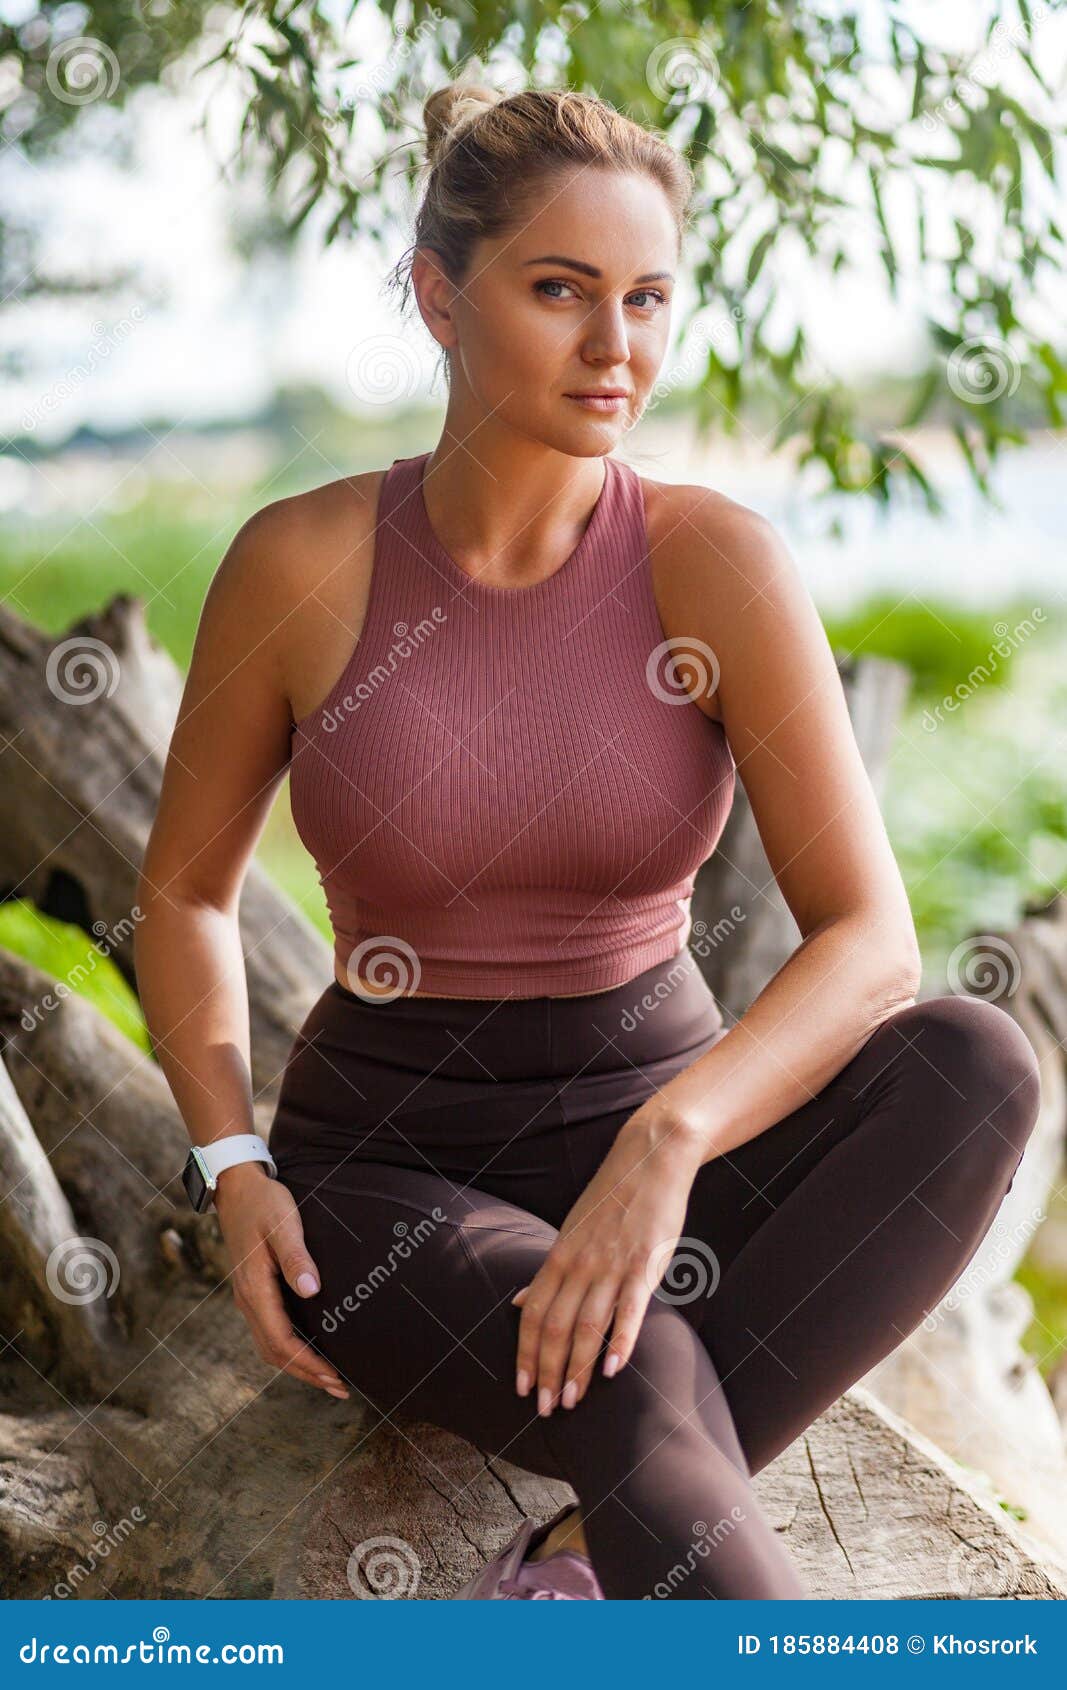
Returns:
(196, 224)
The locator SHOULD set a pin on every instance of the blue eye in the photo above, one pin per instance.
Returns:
(559, 282)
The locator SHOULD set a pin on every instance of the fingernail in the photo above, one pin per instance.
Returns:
(611, 1365)
(522, 1381)
(307, 1284)
(334, 1392)
(544, 1400)
(570, 1394)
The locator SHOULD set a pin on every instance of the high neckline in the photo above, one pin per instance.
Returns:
(566, 568)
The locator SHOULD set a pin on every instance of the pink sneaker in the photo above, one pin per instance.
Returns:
(564, 1575)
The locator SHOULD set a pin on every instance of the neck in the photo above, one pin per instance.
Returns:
(512, 509)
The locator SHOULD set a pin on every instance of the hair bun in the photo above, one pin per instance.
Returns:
(450, 110)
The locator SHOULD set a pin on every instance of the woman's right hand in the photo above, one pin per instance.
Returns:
(261, 1226)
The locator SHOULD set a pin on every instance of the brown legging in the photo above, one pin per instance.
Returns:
(435, 1145)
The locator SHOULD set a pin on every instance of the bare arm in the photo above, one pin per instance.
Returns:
(227, 756)
(787, 722)
(784, 710)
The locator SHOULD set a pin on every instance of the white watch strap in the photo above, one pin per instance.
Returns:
(225, 1152)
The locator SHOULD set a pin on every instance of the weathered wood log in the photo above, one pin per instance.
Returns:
(963, 1377)
(85, 723)
(742, 931)
(153, 1453)
(868, 1507)
(159, 1416)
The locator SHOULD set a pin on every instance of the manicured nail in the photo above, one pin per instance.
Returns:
(307, 1284)
(570, 1394)
(544, 1400)
(522, 1381)
(611, 1365)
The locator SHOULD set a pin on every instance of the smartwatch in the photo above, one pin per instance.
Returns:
(205, 1163)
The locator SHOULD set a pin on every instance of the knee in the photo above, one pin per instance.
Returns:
(662, 1407)
(987, 1073)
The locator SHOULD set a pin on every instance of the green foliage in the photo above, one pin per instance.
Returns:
(68, 956)
(804, 124)
(1046, 1338)
(938, 642)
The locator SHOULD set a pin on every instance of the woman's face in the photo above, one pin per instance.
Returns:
(576, 297)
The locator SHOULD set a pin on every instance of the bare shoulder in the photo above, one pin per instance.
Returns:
(305, 563)
(692, 527)
(713, 559)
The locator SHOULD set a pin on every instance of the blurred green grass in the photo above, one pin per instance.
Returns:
(975, 801)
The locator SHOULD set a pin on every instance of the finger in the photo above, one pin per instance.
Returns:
(539, 1293)
(278, 1342)
(590, 1330)
(520, 1296)
(557, 1337)
(629, 1313)
(292, 1255)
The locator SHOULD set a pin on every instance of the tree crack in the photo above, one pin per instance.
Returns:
(826, 1511)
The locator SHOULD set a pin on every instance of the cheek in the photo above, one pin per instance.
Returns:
(647, 353)
(517, 357)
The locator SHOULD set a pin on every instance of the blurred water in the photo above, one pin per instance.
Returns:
(973, 554)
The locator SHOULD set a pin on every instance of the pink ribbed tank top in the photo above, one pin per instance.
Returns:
(500, 794)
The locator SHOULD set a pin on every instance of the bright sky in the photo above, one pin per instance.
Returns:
(200, 333)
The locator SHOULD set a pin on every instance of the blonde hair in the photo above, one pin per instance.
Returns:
(490, 156)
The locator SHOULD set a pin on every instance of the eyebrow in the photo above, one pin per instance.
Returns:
(591, 269)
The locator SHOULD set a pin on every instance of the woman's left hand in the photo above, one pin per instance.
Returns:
(613, 1248)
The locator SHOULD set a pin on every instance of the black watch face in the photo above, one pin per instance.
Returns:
(195, 1184)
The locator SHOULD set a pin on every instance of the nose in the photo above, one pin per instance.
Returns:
(606, 340)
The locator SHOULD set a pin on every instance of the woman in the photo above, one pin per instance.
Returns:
(510, 679)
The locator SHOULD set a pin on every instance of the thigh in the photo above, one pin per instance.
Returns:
(414, 1309)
